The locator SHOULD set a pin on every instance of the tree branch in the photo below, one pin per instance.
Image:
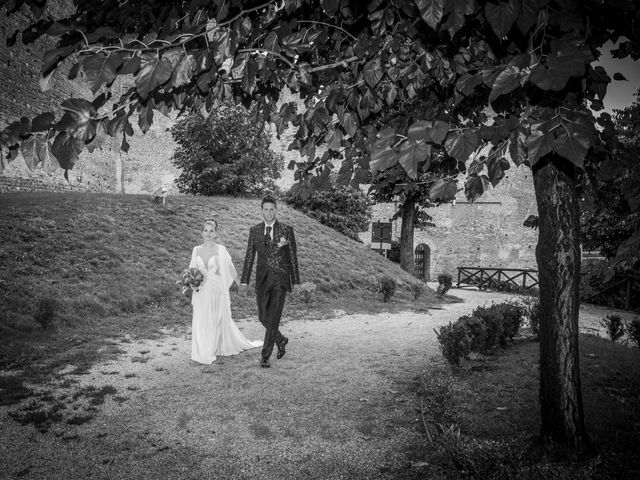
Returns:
(333, 65)
(330, 26)
(264, 50)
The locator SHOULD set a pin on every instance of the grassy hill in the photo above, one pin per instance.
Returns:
(101, 265)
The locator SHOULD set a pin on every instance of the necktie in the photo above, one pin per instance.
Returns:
(267, 237)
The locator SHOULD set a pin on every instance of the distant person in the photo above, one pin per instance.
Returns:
(213, 330)
(276, 273)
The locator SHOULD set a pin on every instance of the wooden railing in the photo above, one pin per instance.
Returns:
(622, 292)
(509, 279)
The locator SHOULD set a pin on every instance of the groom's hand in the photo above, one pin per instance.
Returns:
(242, 288)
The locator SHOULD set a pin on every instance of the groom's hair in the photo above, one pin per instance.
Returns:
(268, 199)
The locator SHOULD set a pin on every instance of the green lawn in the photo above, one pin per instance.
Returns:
(106, 266)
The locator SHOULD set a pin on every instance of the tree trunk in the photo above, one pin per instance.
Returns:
(558, 256)
(409, 212)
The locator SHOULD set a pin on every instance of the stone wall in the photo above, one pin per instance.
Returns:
(143, 168)
(487, 233)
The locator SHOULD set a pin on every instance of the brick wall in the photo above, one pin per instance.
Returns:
(146, 165)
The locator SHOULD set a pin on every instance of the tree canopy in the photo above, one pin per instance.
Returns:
(391, 88)
(225, 154)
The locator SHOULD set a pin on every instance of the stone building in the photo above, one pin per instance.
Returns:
(486, 233)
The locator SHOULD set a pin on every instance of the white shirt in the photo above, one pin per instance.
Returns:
(265, 229)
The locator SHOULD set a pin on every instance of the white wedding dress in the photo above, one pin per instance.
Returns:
(213, 331)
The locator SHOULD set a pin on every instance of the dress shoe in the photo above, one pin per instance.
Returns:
(265, 363)
(281, 347)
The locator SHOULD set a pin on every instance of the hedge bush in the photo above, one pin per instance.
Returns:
(454, 342)
(481, 331)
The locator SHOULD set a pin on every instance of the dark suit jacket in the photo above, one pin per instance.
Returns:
(281, 262)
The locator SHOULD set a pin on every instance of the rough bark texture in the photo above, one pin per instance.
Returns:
(406, 236)
(558, 256)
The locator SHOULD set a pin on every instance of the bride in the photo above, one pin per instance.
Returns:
(213, 330)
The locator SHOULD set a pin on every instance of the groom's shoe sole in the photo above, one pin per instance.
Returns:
(281, 348)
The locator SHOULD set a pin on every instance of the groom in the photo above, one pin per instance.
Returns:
(276, 273)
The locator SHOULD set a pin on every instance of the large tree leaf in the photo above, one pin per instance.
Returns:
(431, 11)
(531, 221)
(335, 140)
(145, 116)
(101, 69)
(239, 66)
(569, 61)
(78, 119)
(250, 76)
(66, 149)
(461, 144)
(29, 150)
(184, 71)
(438, 132)
(372, 72)
(47, 159)
(573, 145)
(43, 122)
(538, 144)
(382, 158)
(517, 147)
(528, 16)
(153, 73)
(502, 15)
(131, 66)
(45, 80)
(506, 81)
(99, 138)
(496, 165)
(428, 131)
(84, 109)
(410, 155)
(443, 190)
(349, 123)
(54, 56)
(475, 186)
(418, 130)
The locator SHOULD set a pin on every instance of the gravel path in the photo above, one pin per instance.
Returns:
(336, 406)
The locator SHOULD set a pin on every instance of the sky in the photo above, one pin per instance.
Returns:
(619, 93)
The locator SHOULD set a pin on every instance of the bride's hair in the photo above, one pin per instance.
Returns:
(210, 221)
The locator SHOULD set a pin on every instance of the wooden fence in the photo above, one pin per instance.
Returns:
(509, 279)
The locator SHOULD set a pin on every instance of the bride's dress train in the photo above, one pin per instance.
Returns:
(213, 331)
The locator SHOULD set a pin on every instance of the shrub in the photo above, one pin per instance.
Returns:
(492, 319)
(344, 209)
(417, 289)
(477, 333)
(531, 308)
(47, 309)
(226, 154)
(633, 330)
(307, 291)
(445, 280)
(614, 326)
(386, 287)
(511, 315)
(454, 342)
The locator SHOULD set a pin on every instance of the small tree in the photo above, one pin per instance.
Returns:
(226, 154)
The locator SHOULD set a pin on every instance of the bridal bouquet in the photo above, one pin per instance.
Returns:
(190, 280)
